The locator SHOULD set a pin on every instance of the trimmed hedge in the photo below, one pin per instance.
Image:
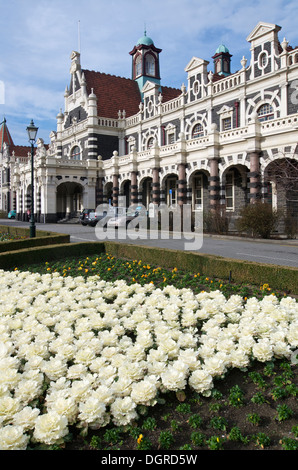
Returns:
(42, 238)
(278, 277)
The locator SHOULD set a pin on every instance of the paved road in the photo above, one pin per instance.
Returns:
(280, 252)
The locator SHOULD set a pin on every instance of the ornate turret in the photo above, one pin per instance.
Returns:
(145, 62)
(222, 61)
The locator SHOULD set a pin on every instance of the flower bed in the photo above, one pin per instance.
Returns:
(87, 352)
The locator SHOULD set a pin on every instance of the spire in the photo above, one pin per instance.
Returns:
(5, 136)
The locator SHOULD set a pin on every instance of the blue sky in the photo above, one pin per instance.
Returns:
(37, 38)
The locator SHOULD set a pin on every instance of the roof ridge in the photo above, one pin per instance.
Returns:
(108, 74)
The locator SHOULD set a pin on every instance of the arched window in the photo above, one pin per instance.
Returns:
(265, 112)
(150, 143)
(138, 65)
(76, 153)
(150, 65)
(198, 131)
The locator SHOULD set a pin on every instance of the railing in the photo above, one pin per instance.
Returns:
(232, 134)
(279, 124)
(106, 122)
(227, 83)
(293, 57)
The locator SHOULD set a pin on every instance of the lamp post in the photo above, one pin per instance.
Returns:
(32, 132)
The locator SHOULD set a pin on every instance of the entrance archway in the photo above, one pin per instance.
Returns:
(69, 200)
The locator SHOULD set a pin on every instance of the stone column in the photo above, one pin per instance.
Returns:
(99, 191)
(214, 185)
(115, 190)
(134, 188)
(181, 198)
(254, 184)
(155, 186)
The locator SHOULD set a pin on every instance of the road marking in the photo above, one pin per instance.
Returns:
(84, 239)
(267, 257)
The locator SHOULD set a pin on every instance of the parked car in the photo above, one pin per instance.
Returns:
(12, 214)
(123, 218)
(94, 217)
(84, 216)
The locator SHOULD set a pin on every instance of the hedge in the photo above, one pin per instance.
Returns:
(42, 238)
(278, 277)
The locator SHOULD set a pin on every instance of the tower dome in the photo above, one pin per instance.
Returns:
(145, 40)
(222, 48)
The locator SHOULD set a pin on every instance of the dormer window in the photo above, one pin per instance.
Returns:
(150, 65)
(138, 66)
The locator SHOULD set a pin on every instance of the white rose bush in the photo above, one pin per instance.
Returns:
(87, 352)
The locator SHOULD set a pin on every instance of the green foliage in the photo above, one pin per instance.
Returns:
(236, 396)
(166, 439)
(261, 439)
(197, 438)
(235, 434)
(150, 424)
(215, 443)
(283, 412)
(258, 398)
(195, 421)
(218, 422)
(289, 444)
(253, 418)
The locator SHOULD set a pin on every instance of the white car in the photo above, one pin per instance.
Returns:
(123, 217)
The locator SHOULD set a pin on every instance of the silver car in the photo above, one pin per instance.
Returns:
(124, 216)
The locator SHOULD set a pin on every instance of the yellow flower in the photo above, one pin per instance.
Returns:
(140, 438)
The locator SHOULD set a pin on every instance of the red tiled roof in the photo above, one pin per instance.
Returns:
(20, 150)
(169, 93)
(113, 94)
(118, 93)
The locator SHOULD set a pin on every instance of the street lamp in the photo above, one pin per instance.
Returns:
(32, 132)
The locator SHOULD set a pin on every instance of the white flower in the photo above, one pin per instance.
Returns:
(50, 428)
(13, 438)
(64, 406)
(173, 379)
(123, 411)
(143, 392)
(263, 350)
(8, 408)
(26, 418)
(54, 368)
(91, 410)
(201, 381)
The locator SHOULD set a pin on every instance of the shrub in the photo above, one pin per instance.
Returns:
(216, 221)
(258, 219)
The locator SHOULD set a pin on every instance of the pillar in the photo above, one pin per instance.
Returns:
(181, 197)
(115, 190)
(134, 188)
(155, 186)
(254, 184)
(214, 184)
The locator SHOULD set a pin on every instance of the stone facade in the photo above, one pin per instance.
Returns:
(208, 144)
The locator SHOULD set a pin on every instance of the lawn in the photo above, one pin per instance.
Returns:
(127, 356)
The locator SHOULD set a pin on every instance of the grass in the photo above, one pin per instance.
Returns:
(247, 410)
